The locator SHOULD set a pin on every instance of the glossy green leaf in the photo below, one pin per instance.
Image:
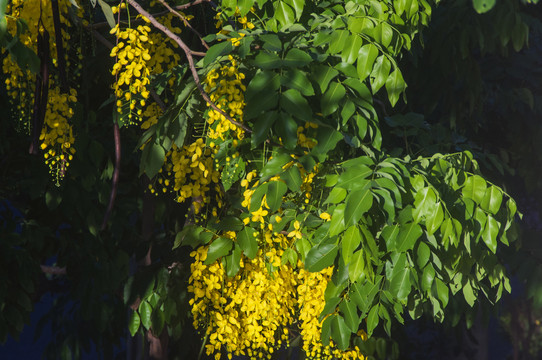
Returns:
(408, 234)
(350, 52)
(356, 266)
(350, 241)
(284, 13)
(354, 176)
(217, 50)
(332, 97)
(490, 232)
(372, 320)
(219, 247)
(492, 200)
(323, 74)
(395, 85)
(275, 192)
(336, 195)
(340, 333)
(297, 58)
(425, 203)
(358, 202)
(292, 178)
(296, 105)
(483, 6)
(350, 315)
(298, 6)
(475, 188)
(247, 241)
(366, 59)
(468, 293)
(262, 126)
(274, 166)
(233, 261)
(262, 94)
(133, 324)
(427, 277)
(321, 257)
(380, 73)
(327, 140)
(145, 312)
(434, 220)
(423, 254)
(108, 13)
(442, 291)
(337, 220)
(338, 41)
(286, 129)
(152, 158)
(267, 61)
(297, 79)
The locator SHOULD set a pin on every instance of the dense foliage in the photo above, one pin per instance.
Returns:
(259, 175)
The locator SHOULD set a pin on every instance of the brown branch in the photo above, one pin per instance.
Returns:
(186, 6)
(116, 174)
(53, 270)
(185, 22)
(190, 59)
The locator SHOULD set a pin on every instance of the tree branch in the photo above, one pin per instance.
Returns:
(190, 59)
(185, 22)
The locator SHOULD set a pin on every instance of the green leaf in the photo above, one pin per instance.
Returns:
(395, 85)
(152, 159)
(275, 192)
(297, 79)
(327, 140)
(350, 315)
(3, 21)
(350, 52)
(267, 60)
(219, 247)
(335, 196)
(134, 323)
(357, 204)
(298, 6)
(233, 261)
(274, 166)
(434, 220)
(244, 6)
(286, 129)
(262, 94)
(366, 59)
(423, 254)
(442, 292)
(492, 200)
(380, 73)
(356, 266)
(321, 257)
(483, 6)
(248, 242)
(400, 282)
(296, 105)
(284, 13)
(490, 232)
(337, 220)
(468, 293)
(261, 127)
(145, 312)
(108, 13)
(425, 202)
(297, 58)
(217, 50)
(340, 333)
(350, 241)
(338, 41)
(354, 176)
(427, 277)
(332, 97)
(408, 234)
(292, 178)
(372, 320)
(323, 74)
(475, 188)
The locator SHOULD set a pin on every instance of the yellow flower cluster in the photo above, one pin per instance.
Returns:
(151, 114)
(242, 20)
(131, 70)
(189, 172)
(162, 47)
(310, 291)
(302, 139)
(248, 314)
(226, 90)
(57, 133)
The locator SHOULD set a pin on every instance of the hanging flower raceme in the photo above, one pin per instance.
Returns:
(56, 136)
(226, 90)
(132, 75)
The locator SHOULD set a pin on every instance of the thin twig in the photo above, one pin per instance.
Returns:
(190, 59)
(185, 22)
(53, 270)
